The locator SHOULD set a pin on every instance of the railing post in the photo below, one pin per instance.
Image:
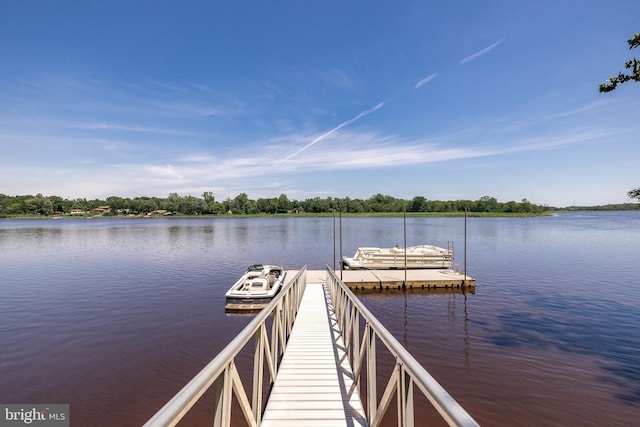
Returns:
(258, 374)
(355, 342)
(372, 399)
(282, 328)
(346, 330)
(286, 311)
(217, 401)
(222, 416)
(274, 334)
(405, 398)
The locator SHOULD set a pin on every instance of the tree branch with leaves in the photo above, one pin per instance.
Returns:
(633, 65)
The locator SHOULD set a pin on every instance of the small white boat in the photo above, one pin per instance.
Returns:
(257, 286)
(423, 256)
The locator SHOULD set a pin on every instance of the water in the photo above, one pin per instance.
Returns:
(114, 316)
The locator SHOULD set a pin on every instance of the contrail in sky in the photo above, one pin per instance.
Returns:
(481, 52)
(426, 80)
(335, 129)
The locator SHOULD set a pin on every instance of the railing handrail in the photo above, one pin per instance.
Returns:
(448, 408)
(180, 404)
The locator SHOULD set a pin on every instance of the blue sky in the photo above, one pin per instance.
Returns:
(443, 99)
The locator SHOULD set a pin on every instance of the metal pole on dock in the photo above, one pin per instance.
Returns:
(334, 239)
(341, 246)
(404, 285)
(465, 248)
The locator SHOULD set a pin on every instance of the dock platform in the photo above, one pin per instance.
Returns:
(415, 279)
(314, 385)
(435, 279)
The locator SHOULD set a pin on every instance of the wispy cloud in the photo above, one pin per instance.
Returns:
(576, 111)
(198, 158)
(351, 150)
(151, 99)
(426, 80)
(480, 52)
(164, 171)
(106, 126)
(235, 171)
(548, 142)
(335, 129)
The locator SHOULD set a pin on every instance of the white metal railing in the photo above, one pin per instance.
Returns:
(407, 373)
(222, 370)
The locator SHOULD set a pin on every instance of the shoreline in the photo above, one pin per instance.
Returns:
(303, 215)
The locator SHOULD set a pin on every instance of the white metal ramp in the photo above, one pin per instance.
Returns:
(314, 385)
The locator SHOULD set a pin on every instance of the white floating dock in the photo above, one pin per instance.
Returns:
(415, 279)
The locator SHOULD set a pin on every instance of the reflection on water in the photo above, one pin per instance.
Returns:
(114, 316)
(583, 327)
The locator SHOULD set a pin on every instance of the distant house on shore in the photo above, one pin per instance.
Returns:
(101, 210)
(77, 212)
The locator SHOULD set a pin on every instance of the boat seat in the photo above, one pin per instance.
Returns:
(258, 285)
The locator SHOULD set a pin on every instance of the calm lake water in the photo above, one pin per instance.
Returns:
(113, 316)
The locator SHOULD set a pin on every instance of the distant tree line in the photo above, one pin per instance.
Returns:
(609, 207)
(242, 204)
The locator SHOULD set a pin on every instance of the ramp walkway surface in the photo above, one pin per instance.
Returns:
(314, 385)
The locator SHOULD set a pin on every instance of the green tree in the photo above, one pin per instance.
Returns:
(208, 197)
(316, 205)
(144, 204)
(510, 206)
(283, 204)
(39, 205)
(384, 203)
(210, 201)
(59, 204)
(266, 205)
(241, 204)
(526, 206)
(418, 204)
(14, 208)
(633, 65)
(172, 202)
(80, 204)
(115, 203)
(486, 204)
(355, 206)
(634, 194)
